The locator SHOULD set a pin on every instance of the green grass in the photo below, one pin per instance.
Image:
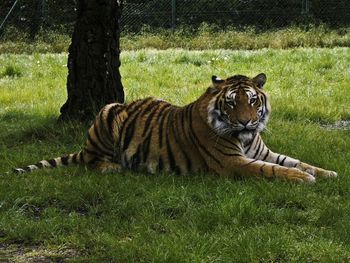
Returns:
(204, 38)
(87, 216)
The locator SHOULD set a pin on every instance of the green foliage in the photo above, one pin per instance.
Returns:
(82, 214)
(11, 71)
(212, 37)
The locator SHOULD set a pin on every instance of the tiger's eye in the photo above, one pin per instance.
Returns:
(230, 103)
(253, 100)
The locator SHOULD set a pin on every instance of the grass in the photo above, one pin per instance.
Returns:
(204, 38)
(82, 215)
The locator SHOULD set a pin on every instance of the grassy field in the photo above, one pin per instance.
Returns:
(83, 215)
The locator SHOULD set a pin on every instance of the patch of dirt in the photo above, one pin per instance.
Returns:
(339, 125)
(24, 254)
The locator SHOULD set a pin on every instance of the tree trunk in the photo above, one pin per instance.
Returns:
(93, 61)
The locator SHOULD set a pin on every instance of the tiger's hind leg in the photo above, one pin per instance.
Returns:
(108, 167)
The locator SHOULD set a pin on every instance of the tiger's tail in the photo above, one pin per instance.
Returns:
(70, 159)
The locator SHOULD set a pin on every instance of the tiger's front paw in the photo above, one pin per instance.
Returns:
(295, 175)
(315, 171)
(325, 173)
(300, 176)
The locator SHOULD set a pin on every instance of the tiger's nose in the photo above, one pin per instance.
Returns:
(244, 122)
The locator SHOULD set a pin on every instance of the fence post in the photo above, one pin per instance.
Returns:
(44, 12)
(173, 14)
(8, 14)
(305, 6)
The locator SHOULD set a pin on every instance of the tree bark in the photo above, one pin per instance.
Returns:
(93, 61)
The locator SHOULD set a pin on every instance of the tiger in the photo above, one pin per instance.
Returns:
(218, 133)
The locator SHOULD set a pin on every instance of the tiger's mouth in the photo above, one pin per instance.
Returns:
(242, 128)
(245, 129)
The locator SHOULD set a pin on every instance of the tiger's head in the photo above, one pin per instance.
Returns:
(239, 107)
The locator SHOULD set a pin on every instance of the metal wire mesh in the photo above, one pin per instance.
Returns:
(32, 15)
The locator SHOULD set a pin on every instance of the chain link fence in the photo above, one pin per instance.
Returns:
(30, 16)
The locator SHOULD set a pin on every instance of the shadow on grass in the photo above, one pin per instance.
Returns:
(22, 128)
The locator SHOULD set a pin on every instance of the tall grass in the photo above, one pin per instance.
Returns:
(86, 216)
(205, 37)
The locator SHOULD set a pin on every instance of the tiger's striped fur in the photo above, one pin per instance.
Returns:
(218, 133)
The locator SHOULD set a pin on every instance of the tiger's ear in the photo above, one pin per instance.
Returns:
(260, 80)
(214, 89)
(216, 80)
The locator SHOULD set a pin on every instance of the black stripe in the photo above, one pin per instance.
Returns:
(251, 144)
(261, 169)
(151, 115)
(74, 158)
(171, 158)
(98, 136)
(136, 158)
(111, 116)
(188, 113)
(135, 106)
(273, 171)
(259, 101)
(262, 149)
(27, 168)
(256, 153)
(258, 140)
(265, 103)
(250, 162)
(52, 162)
(228, 154)
(129, 133)
(97, 147)
(282, 162)
(145, 147)
(188, 110)
(179, 141)
(184, 123)
(231, 143)
(160, 164)
(278, 158)
(161, 126)
(64, 160)
(267, 154)
(151, 105)
(225, 146)
(39, 165)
